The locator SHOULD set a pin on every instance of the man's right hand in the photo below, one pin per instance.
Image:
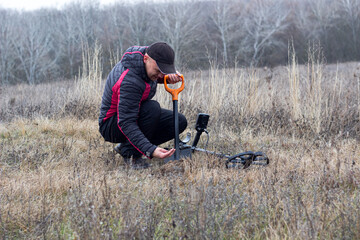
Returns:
(174, 78)
(162, 153)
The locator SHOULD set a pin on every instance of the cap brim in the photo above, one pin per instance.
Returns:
(166, 68)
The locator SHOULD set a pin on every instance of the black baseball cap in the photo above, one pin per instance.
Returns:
(164, 56)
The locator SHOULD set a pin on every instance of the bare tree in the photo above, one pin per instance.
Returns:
(7, 58)
(69, 42)
(84, 17)
(75, 30)
(264, 22)
(38, 44)
(349, 11)
(225, 18)
(177, 24)
(114, 34)
(33, 45)
(139, 22)
(315, 19)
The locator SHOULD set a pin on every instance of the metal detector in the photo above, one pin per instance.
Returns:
(183, 150)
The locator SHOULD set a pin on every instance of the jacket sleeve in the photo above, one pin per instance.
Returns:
(161, 80)
(130, 95)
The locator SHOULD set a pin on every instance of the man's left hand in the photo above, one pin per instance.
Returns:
(162, 153)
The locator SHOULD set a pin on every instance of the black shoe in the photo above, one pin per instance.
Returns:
(117, 148)
(137, 163)
(133, 162)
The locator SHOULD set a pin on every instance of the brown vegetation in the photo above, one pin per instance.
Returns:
(59, 179)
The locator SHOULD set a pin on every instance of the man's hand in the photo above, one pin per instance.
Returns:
(174, 78)
(162, 153)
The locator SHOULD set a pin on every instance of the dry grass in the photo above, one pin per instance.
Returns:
(59, 179)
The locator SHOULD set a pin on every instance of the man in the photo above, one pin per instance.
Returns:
(128, 115)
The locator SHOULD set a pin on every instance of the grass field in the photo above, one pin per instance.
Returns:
(60, 180)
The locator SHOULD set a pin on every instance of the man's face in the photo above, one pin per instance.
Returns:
(152, 69)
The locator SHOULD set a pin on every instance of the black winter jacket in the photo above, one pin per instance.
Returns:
(127, 86)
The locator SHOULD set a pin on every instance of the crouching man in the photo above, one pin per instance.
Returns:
(128, 116)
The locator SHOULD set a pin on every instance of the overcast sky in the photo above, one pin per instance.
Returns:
(35, 4)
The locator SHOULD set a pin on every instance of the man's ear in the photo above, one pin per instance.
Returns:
(146, 58)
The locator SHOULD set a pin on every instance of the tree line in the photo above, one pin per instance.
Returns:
(48, 44)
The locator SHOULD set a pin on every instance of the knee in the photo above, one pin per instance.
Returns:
(150, 108)
(182, 122)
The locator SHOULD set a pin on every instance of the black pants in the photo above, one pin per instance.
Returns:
(155, 123)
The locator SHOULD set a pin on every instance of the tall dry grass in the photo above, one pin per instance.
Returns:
(59, 179)
(294, 85)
